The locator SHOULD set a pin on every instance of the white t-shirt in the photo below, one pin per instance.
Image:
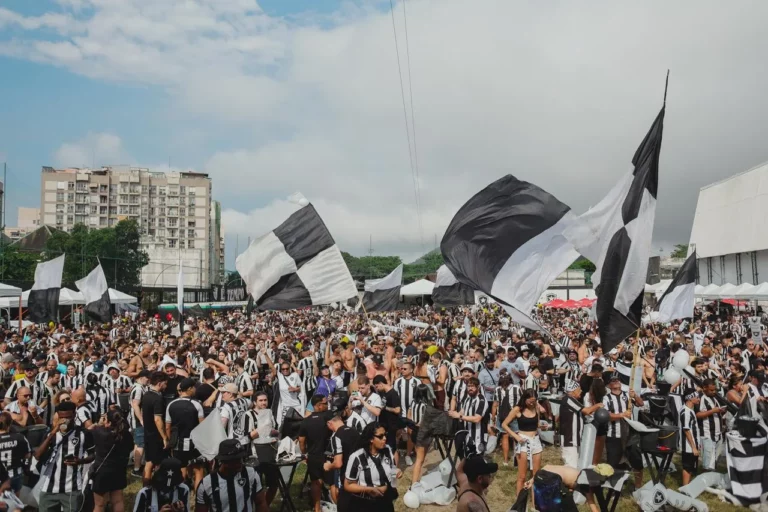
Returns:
(289, 398)
(374, 400)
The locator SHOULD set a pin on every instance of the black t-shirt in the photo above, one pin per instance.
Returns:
(315, 429)
(350, 441)
(410, 351)
(151, 405)
(203, 392)
(184, 414)
(389, 419)
(171, 392)
(13, 452)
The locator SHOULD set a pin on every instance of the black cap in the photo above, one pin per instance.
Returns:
(476, 465)
(186, 384)
(231, 449)
(144, 373)
(168, 475)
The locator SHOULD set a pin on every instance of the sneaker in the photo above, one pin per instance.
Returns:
(408, 460)
(137, 473)
(506, 464)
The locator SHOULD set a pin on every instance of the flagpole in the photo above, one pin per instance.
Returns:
(21, 297)
(635, 357)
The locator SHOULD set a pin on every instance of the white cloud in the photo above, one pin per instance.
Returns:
(559, 95)
(95, 149)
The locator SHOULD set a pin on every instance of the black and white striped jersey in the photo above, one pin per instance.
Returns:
(356, 421)
(56, 477)
(99, 399)
(114, 385)
(710, 427)
(362, 468)
(305, 367)
(244, 382)
(71, 382)
(531, 383)
(249, 422)
(251, 367)
(571, 422)
(417, 411)
(231, 411)
(15, 386)
(136, 393)
(474, 407)
(84, 414)
(616, 404)
(233, 494)
(459, 391)
(688, 423)
(150, 500)
(405, 388)
(507, 398)
(490, 335)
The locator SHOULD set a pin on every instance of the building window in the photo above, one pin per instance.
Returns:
(191, 191)
(191, 224)
(60, 197)
(123, 188)
(102, 210)
(94, 209)
(161, 191)
(134, 210)
(71, 198)
(82, 186)
(182, 212)
(190, 233)
(59, 219)
(192, 201)
(70, 208)
(183, 189)
(144, 189)
(102, 221)
(171, 243)
(71, 185)
(191, 243)
(102, 199)
(113, 189)
(181, 244)
(124, 199)
(103, 189)
(172, 222)
(70, 219)
(123, 210)
(113, 210)
(111, 222)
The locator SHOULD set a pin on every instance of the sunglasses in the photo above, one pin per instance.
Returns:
(380, 436)
(25, 396)
(284, 369)
(65, 399)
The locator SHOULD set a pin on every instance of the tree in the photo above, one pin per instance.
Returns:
(584, 264)
(680, 251)
(16, 265)
(117, 249)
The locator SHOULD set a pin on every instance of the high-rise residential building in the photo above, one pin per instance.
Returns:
(173, 211)
(28, 221)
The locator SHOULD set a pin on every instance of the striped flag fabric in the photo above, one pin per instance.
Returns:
(679, 298)
(43, 302)
(507, 242)
(96, 294)
(384, 294)
(616, 236)
(296, 265)
(746, 466)
(448, 291)
(180, 297)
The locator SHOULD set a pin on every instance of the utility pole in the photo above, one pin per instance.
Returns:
(370, 256)
(2, 236)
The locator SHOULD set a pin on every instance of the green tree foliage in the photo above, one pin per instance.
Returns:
(117, 248)
(16, 265)
(680, 251)
(583, 264)
(375, 267)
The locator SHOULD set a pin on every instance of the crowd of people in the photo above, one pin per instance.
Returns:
(363, 395)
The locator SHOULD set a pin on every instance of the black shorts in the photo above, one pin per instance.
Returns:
(185, 457)
(315, 468)
(614, 451)
(269, 472)
(392, 438)
(690, 462)
(154, 451)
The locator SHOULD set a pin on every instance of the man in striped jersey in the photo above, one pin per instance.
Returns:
(231, 408)
(460, 387)
(243, 379)
(710, 418)
(63, 453)
(136, 421)
(474, 415)
(405, 386)
(233, 487)
(571, 423)
(689, 437)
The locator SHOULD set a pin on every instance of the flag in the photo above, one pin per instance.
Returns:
(616, 235)
(296, 265)
(43, 302)
(677, 301)
(180, 298)
(507, 242)
(384, 294)
(96, 293)
(208, 435)
(448, 291)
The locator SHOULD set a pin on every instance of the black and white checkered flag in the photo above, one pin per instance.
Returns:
(616, 235)
(296, 265)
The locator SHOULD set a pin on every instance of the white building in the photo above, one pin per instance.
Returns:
(173, 211)
(730, 229)
(28, 220)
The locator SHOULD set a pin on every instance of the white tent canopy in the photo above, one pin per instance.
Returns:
(417, 288)
(727, 291)
(731, 291)
(118, 297)
(659, 288)
(708, 292)
(68, 297)
(7, 290)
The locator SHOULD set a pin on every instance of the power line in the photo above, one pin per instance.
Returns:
(407, 128)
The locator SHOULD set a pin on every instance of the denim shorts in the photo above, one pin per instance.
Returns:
(17, 481)
(138, 437)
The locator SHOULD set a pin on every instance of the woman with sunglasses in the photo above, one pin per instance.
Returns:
(369, 477)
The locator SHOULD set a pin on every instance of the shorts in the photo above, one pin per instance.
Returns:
(17, 482)
(602, 430)
(269, 471)
(138, 437)
(614, 451)
(532, 447)
(154, 451)
(186, 456)
(690, 463)
(392, 439)
(315, 468)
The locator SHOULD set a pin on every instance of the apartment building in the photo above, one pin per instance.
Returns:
(28, 220)
(173, 211)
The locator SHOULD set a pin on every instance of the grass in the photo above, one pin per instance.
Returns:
(501, 494)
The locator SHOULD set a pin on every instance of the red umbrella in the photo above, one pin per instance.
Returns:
(585, 302)
(554, 303)
(570, 304)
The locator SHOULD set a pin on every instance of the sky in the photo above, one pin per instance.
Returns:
(272, 97)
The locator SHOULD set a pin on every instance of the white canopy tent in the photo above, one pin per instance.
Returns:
(118, 297)
(68, 297)
(659, 288)
(744, 291)
(417, 288)
(7, 290)
(731, 291)
(726, 291)
(708, 292)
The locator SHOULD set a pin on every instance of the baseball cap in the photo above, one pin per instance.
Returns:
(187, 383)
(229, 388)
(9, 358)
(476, 465)
(231, 449)
(468, 367)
